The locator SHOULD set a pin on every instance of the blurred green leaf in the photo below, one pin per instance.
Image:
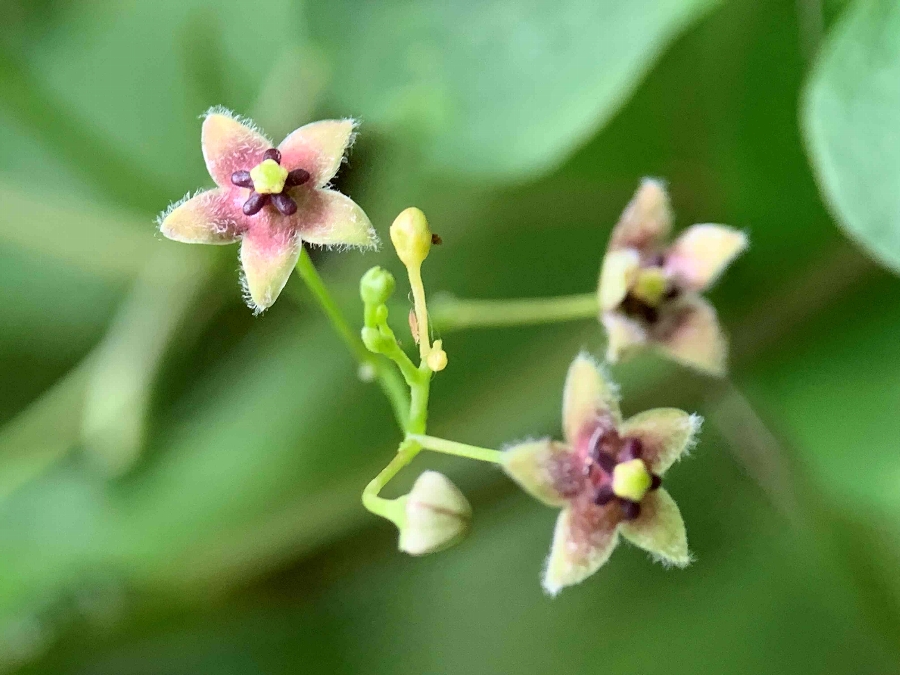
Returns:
(852, 122)
(495, 88)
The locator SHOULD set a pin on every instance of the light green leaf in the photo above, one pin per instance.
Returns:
(852, 124)
(494, 88)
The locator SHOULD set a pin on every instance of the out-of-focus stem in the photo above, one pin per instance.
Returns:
(449, 313)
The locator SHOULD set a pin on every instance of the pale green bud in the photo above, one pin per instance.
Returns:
(376, 286)
(411, 237)
(436, 515)
(374, 340)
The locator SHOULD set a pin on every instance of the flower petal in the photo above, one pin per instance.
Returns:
(623, 335)
(646, 220)
(665, 435)
(616, 277)
(692, 336)
(584, 538)
(544, 469)
(588, 395)
(230, 144)
(659, 529)
(209, 217)
(328, 218)
(269, 251)
(319, 148)
(702, 252)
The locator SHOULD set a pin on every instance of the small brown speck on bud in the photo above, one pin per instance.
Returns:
(436, 239)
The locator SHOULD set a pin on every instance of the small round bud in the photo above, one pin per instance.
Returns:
(376, 286)
(437, 515)
(411, 237)
(374, 340)
(437, 358)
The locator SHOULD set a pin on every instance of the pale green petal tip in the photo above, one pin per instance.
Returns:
(660, 530)
(574, 556)
(616, 277)
(436, 515)
(533, 465)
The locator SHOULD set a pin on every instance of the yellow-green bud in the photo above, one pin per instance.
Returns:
(631, 480)
(376, 286)
(375, 341)
(437, 357)
(411, 237)
(268, 177)
(650, 286)
(436, 515)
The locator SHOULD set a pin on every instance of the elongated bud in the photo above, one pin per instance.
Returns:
(376, 286)
(411, 237)
(437, 515)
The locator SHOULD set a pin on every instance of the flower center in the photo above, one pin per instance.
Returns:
(615, 471)
(268, 177)
(267, 182)
(631, 480)
(650, 286)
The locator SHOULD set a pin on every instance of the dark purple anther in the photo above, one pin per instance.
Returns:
(655, 482)
(604, 495)
(254, 203)
(242, 179)
(630, 510)
(272, 153)
(606, 462)
(296, 177)
(285, 204)
(631, 449)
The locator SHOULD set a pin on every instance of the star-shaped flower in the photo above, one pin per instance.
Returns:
(649, 291)
(271, 199)
(606, 477)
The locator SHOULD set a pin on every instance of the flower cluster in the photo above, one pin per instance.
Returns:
(607, 474)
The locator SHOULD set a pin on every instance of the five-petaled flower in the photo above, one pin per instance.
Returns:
(271, 199)
(606, 476)
(649, 292)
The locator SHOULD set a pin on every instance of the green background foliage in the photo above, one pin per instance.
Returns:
(179, 481)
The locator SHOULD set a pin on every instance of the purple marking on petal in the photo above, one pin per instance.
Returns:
(272, 153)
(285, 204)
(630, 510)
(631, 449)
(296, 177)
(604, 495)
(254, 204)
(655, 482)
(606, 462)
(242, 179)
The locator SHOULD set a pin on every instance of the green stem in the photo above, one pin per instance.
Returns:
(458, 449)
(449, 313)
(387, 377)
(389, 508)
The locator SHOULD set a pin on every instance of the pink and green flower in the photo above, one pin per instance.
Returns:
(649, 290)
(272, 200)
(606, 476)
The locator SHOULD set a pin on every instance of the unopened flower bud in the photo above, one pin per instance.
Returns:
(437, 357)
(411, 237)
(374, 340)
(376, 286)
(437, 515)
